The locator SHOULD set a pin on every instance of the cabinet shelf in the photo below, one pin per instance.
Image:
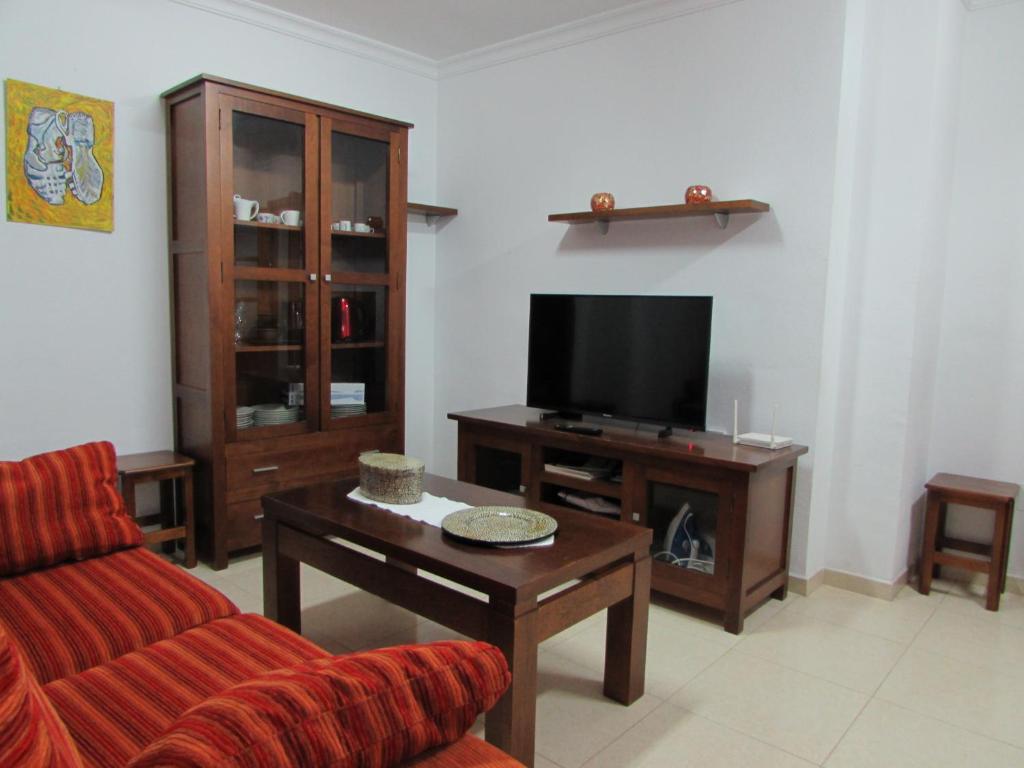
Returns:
(268, 347)
(596, 487)
(357, 345)
(432, 212)
(378, 235)
(265, 225)
(720, 209)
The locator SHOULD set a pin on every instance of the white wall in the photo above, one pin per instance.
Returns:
(876, 303)
(891, 255)
(979, 411)
(637, 114)
(85, 340)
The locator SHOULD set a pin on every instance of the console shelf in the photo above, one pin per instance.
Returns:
(741, 497)
(720, 209)
(596, 487)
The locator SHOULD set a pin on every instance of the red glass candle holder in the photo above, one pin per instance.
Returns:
(698, 193)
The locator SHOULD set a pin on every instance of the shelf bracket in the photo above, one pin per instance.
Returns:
(602, 226)
(431, 218)
(722, 219)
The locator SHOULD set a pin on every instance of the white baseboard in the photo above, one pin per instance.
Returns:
(862, 585)
(805, 587)
(851, 582)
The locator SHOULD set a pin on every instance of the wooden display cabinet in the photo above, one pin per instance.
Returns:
(741, 497)
(271, 313)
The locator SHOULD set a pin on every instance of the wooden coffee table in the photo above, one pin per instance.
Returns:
(599, 563)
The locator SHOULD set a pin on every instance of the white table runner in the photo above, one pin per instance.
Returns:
(432, 510)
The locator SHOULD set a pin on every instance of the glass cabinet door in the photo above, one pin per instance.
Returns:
(358, 242)
(270, 265)
(687, 512)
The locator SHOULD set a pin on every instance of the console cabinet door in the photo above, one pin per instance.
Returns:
(362, 242)
(691, 515)
(270, 206)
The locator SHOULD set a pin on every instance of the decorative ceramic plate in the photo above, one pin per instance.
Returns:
(499, 525)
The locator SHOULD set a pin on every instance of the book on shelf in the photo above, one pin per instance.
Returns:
(597, 504)
(594, 468)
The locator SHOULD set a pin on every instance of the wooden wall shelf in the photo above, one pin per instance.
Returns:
(432, 212)
(720, 209)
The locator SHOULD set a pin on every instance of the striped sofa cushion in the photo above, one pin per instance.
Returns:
(62, 505)
(74, 616)
(367, 710)
(115, 710)
(31, 734)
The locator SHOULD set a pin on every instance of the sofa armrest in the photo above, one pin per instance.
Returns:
(377, 708)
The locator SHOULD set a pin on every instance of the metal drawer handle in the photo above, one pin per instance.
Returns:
(261, 470)
(258, 517)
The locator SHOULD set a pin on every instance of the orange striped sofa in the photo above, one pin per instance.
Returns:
(111, 656)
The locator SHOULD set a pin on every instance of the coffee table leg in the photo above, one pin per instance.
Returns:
(511, 723)
(625, 651)
(281, 601)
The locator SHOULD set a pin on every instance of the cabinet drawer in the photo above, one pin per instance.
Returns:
(251, 475)
(259, 473)
(244, 530)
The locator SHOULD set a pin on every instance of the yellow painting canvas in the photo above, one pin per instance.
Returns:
(60, 158)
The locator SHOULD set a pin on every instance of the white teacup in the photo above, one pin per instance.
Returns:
(268, 218)
(360, 227)
(291, 218)
(344, 225)
(245, 210)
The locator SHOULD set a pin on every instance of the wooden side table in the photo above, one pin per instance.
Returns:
(946, 489)
(177, 521)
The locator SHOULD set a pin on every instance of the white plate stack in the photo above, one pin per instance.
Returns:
(340, 410)
(244, 417)
(273, 414)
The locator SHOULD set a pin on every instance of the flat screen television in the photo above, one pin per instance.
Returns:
(637, 358)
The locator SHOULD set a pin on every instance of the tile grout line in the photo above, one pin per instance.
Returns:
(782, 666)
(874, 694)
(750, 736)
(948, 722)
(622, 735)
(865, 633)
(934, 719)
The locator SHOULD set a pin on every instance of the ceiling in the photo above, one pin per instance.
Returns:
(439, 29)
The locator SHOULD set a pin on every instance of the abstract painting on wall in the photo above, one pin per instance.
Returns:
(60, 158)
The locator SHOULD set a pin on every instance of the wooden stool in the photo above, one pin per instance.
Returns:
(946, 489)
(158, 467)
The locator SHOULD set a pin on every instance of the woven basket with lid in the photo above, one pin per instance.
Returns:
(391, 478)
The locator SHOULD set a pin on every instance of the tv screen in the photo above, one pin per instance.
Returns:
(639, 358)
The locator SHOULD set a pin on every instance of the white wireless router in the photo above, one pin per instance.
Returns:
(757, 439)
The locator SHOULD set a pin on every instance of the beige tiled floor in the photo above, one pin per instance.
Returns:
(835, 679)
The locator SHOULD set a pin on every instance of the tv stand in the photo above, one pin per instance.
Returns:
(563, 415)
(742, 497)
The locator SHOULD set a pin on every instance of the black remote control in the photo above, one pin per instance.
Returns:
(579, 429)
